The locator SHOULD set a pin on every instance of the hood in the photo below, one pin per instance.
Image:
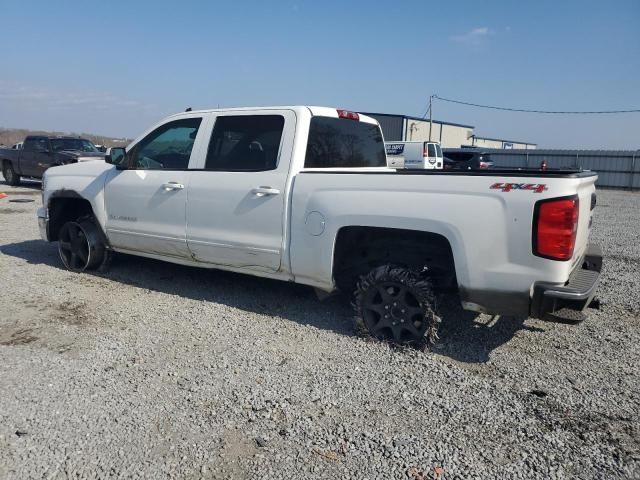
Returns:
(81, 169)
(85, 178)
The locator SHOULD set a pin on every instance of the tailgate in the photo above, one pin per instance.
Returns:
(587, 197)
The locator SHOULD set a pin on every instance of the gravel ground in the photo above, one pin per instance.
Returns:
(152, 370)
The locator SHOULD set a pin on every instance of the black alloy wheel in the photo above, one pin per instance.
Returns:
(397, 305)
(80, 246)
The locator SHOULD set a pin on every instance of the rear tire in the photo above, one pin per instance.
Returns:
(397, 305)
(81, 246)
(10, 175)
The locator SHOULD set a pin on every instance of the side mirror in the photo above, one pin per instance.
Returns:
(116, 156)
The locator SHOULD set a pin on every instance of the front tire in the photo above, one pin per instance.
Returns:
(10, 175)
(397, 305)
(81, 246)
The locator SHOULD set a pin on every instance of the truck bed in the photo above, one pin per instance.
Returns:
(496, 172)
(486, 217)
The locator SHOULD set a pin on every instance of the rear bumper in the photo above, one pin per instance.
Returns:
(43, 223)
(575, 295)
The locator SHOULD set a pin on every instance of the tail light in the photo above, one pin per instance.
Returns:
(425, 150)
(484, 165)
(348, 115)
(543, 165)
(555, 226)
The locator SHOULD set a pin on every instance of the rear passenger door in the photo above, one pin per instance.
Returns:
(235, 210)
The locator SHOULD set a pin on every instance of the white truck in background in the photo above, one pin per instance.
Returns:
(418, 155)
(303, 194)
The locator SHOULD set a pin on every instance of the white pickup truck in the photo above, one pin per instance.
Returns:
(303, 194)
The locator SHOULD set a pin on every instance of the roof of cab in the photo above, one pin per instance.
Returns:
(315, 111)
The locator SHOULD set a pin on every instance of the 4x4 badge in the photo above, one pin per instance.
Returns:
(507, 187)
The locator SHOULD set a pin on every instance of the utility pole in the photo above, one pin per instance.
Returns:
(430, 115)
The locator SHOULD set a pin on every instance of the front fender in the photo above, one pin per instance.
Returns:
(84, 180)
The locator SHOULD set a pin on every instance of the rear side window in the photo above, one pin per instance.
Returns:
(245, 143)
(438, 150)
(338, 142)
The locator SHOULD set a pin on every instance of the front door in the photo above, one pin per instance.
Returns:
(146, 201)
(30, 155)
(236, 204)
(27, 163)
(42, 156)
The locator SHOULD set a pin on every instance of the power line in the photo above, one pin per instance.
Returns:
(493, 107)
(424, 115)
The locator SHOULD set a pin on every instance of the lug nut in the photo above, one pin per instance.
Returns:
(386, 316)
(386, 307)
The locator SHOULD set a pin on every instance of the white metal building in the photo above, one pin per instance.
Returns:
(486, 142)
(450, 135)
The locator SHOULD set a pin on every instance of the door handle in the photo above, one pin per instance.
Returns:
(264, 191)
(173, 186)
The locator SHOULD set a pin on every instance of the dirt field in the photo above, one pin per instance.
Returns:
(152, 370)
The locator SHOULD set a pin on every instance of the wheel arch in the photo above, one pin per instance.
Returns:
(68, 205)
(359, 248)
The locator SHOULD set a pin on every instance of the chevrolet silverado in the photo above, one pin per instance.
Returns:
(304, 194)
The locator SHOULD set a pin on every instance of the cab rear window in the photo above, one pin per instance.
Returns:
(338, 142)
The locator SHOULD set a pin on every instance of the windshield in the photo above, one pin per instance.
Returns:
(73, 144)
